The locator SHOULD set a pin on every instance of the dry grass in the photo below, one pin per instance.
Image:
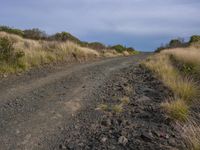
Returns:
(189, 56)
(103, 107)
(118, 108)
(125, 100)
(177, 109)
(185, 55)
(38, 52)
(185, 89)
(110, 53)
(43, 52)
(191, 132)
(182, 87)
(129, 89)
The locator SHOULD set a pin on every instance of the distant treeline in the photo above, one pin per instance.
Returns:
(179, 42)
(37, 34)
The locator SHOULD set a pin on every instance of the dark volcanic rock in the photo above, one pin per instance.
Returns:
(141, 125)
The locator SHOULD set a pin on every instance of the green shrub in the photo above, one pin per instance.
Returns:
(12, 31)
(65, 36)
(175, 43)
(35, 34)
(8, 53)
(119, 48)
(96, 45)
(194, 39)
(177, 109)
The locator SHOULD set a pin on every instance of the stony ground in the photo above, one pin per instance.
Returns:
(141, 124)
(58, 107)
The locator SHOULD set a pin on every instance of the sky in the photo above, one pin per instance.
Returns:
(142, 24)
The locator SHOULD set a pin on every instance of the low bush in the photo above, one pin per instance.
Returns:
(194, 39)
(119, 48)
(35, 34)
(12, 30)
(8, 53)
(10, 59)
(96, 45)
(122, 49)
(64, 36)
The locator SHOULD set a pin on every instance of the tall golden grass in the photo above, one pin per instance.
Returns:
(38, 52)
(182, 87)
(191, 132)
(186, 55)
(185, 88)
(189, 58)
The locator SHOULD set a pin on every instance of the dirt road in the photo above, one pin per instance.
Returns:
(35, 107)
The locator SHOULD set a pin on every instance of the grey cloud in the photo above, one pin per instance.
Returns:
(97, 19)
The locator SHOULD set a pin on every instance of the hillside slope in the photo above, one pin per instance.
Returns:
(18, 54)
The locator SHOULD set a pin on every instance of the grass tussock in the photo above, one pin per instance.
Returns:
(103, 107)
(177, 109)
(118, 108)
(115, 108)
(125, 100)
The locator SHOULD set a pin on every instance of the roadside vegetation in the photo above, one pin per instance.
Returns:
(18, 54)
(180, 43)
(179, 69)
(23, 49)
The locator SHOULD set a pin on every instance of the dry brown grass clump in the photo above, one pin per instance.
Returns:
(115, 108)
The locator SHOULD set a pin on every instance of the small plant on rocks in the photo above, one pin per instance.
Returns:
(118, 108)
(103, 107)
(125, 100)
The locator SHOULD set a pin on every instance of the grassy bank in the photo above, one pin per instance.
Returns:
(178, 69)
(19, 54)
